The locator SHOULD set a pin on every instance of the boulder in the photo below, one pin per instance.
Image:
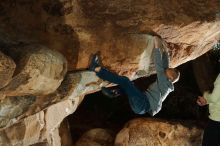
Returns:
(155, 132)
(45, 113)
(40, 71)
(7, 68)
(96, 137)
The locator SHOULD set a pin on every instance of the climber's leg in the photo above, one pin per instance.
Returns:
(138, 100)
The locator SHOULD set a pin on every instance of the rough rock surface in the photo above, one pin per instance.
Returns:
(40, 71)
(7, 68)
(96, 137)
(65, 135)
(46, 122)
(28, 132)
(149, 132)
(119, 29)
(116, 28)
(12, 107)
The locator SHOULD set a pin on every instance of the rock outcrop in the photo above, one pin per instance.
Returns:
(96, 137)
(65, 134)
(12, 107)
(46, 120)
(148, 132)
(7, 68)
(120, 30)
(40, 71)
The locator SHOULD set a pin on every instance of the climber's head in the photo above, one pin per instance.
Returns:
(172, 74)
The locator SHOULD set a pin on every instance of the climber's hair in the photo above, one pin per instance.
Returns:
(177, 75)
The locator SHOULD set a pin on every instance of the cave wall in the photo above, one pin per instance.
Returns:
(53, 36)
(79, 28)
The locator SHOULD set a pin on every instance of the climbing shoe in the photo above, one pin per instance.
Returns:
(110, 93)
(95, 62)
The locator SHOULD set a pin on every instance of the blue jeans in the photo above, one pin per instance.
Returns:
(137, 99)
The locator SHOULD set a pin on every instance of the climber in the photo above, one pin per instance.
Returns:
(211, 136)
(149, 101)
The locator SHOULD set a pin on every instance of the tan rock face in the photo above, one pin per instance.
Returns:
(96, 137)
(65, 134)
(12, 107)
(116, 28)
(28, 132)
(7, 67)
(148, 132)
(40, 71)
(47, 121)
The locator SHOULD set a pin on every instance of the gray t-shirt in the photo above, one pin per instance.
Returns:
(158, 91)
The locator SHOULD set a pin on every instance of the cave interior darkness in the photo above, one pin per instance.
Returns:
(99, 111)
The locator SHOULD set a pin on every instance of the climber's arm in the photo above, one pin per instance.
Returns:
(165, 59)
(158, 61)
